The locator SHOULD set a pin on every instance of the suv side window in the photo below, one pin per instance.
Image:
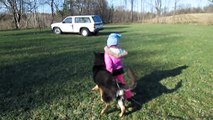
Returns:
(68, 20)
(82, 20)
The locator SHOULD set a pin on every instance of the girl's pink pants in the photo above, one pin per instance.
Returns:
(120, 79)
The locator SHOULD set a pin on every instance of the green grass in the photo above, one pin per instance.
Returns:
(47, 76)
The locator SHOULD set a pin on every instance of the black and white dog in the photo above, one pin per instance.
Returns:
(107, 86)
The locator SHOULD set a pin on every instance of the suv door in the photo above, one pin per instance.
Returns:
(82, 22)
(98, 22)
(67, 25)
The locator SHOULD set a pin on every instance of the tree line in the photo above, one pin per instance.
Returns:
(25, 13)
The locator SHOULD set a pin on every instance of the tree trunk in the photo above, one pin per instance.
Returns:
(132, 2)
(158, 5)
(52, 10)
(16, 13)
(16, 20)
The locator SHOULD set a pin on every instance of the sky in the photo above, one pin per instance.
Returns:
(147, 4)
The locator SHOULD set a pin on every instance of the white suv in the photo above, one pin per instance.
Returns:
(84, 25)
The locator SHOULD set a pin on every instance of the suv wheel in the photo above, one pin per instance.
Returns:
(57, 30)
(85, 32)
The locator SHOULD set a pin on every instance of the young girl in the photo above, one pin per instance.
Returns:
(113, 60)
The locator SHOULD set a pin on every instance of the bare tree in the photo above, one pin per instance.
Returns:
(79, 7)
(63, 11)
(52, 9)
(51, 3)
(16, 8)
(175, 6)
(32, 18)
(132, 6)
(142, 10)
(175, 9)
(102, 9)
(70, 4)
(158, 7)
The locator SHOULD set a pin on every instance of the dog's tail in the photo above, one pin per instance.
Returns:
(133, 79)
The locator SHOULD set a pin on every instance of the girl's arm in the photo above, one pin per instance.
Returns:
(108, 63)
(121, 53)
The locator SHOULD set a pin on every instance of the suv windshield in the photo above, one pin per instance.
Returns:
(68, 20)
(96, 19)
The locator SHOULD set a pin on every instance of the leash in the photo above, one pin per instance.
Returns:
(135, 101)
(131, 97)
(117, 84)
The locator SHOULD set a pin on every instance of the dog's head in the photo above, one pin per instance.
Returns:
(99, 59)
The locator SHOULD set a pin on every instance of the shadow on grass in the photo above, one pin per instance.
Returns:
(26, 32)
(29, 84)
(105, 33)
(112, 29)
(149, 86)
(116, 27)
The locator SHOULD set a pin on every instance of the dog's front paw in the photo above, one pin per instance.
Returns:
(121, 115)
(122, 111)
(103, 111)
(96, 88)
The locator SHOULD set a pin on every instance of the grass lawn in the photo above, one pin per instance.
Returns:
(47, 76)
